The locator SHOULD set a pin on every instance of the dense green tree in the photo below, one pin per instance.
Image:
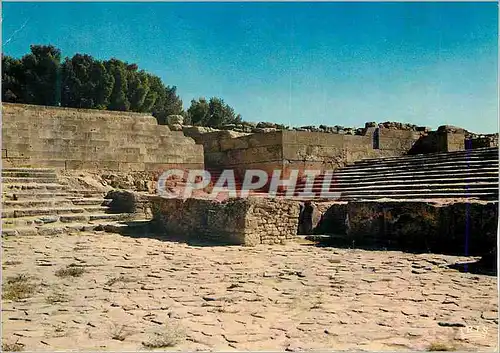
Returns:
(137, 88)
(85, 83)
(12, 80)
(42, 75)
(167, 101)
(118, 99)
(220, 113)
(214, 113)
(198, 112)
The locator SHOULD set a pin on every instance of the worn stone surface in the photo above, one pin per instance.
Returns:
(282, 297)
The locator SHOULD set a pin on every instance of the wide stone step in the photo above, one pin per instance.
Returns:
(79, 217)
(14, 213)
(450, 179)
(384, 188)
(413, 176)
(427, 196)
(85, 193)
(487, 151)
(33, 186)
(425, 160)
(29, 180)
(59, 229)
(420, 191)
(37, 203)
(109, 216)
(29, 170)
(28, 174)
(429, 158)
(403, 195)
(62, 220)
(88, 201)
(406, 171)
(33, 194)
(423, 165)
(492, 181)
(95, 208)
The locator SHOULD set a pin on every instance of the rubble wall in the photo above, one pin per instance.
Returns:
(66, 138)
(458, 228)
(249, 221)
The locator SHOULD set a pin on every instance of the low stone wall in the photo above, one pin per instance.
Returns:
(310, 150)
(249, 221)
(239, 152)
(272, 221)
(458, 228)
(298, 150)
(66, 138)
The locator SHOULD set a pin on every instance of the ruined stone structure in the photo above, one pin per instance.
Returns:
(381, 163)
(287, 150)
(459, 227)
(249, 221)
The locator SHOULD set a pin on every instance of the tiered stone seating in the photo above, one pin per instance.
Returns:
(470, 174)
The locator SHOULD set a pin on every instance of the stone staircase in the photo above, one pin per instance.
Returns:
(238, 184)
(470, 174)
(35, 202)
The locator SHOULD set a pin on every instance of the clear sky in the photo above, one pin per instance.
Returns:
(294, 63)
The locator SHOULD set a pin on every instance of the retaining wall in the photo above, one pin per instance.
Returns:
(65, 138)
(468, 228)
(249, 221)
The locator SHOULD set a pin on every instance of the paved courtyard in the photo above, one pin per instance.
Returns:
(103, 291)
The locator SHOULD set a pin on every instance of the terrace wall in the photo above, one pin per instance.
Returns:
(65, 138)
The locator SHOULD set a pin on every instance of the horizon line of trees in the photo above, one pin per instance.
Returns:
(43, 77)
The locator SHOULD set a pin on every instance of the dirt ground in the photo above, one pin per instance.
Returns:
(102, 291)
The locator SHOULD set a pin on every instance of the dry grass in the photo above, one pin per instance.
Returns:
(12, 347)
(72, 270)
(119, 332)
(168, 337)
(18, 287)
(440, 347)
(12, 263)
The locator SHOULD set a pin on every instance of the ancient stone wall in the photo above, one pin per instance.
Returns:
(287, 150)
(238, 151)
(65, 138)
(201, 219)
(307, 150)
(459, 228)
(249, 221)
(271, 221)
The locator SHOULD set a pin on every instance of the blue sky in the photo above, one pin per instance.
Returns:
(294, 63)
